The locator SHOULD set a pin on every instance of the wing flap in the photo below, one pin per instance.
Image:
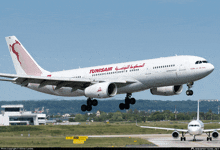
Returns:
(9, 80)
(59, 82)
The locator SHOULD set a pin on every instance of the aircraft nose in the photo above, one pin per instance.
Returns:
(211, 68)
(194, 131)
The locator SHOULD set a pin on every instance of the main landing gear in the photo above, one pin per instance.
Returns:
(90, 102)
(209, 138)
(189, 92)
(183, 138)
(128, 101)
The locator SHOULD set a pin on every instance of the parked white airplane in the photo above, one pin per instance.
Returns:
(195, 127)
(163, 76)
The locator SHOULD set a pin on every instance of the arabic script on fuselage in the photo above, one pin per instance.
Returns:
(116, 68)
(129, 67)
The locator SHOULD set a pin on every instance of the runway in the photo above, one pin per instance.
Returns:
(166, 140)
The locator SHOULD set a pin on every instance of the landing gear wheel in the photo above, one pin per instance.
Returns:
(183, 138)
(122, 106)
(133, 101)
(89, 102)
(210, 138)
(94, 102)
(84, 107)
(128, 101)
(89, 108)
(127, 106)
(189, 92)
(89, 105)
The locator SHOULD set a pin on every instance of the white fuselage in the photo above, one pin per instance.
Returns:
(195, 127)
(147, 74)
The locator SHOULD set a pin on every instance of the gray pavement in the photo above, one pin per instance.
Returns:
(169, 141)
(166, 140)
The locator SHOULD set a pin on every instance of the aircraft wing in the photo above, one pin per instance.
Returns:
(211, 130)
(80, 83)
(172, 129)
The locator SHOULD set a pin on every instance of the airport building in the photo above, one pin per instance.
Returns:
(13, 115)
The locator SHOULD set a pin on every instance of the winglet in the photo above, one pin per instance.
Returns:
(198, 111)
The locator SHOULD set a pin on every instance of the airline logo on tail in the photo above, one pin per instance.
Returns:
(26, 62)
(13, 50)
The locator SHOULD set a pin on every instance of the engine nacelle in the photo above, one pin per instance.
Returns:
(215, 134)
(175, 134)
(167, 90)
(101, 90)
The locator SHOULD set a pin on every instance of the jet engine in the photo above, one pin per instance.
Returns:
(101, 90)
(167, 90)
(175, 134)
(215, 134)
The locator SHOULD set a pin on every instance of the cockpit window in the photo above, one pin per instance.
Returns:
(199, 62)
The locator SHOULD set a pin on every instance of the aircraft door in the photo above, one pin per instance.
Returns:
(182, 72)
(149, 75)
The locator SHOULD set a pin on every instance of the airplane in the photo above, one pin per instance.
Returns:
(163, 76)
(195, 127)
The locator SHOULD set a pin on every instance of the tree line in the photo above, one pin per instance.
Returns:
(74, 106)
(133, 115)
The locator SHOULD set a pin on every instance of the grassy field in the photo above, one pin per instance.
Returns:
(54, 135)
(62, 142)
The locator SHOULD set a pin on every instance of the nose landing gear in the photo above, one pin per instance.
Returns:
(189, 92)
(90, 102)
(128, 101)
(194, 138)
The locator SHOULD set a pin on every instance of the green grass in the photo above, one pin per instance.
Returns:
(94, 128)
(62, 142)
(54, 135)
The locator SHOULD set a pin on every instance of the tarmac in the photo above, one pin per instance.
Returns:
(166, 140)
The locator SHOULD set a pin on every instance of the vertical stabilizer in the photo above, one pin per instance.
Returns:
(198, 111)
(23, 62)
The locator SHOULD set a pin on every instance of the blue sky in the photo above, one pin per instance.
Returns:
(62, 35)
